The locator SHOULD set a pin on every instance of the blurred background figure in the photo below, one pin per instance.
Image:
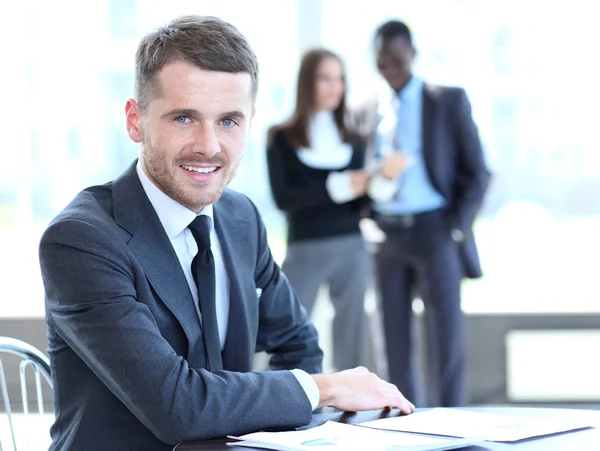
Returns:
(426, 216)
(315, 166)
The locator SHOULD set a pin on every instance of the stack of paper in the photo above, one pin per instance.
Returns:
(335, 436)
(439, 429)
(472, 424)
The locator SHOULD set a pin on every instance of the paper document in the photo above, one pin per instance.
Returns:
(334, 436)
(472, 424)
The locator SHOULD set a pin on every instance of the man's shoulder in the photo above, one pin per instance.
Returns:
(236, 203)
(235, 207)
(231, 195)
(84, 218)
(105, 205)
(89, 205)
(443, 92)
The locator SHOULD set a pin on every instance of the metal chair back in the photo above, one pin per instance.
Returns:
(40, 366)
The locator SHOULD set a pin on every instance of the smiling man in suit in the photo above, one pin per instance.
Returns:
(160, 285)
(429, 188)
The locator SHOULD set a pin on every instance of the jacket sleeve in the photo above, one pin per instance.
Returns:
(287, 196)
(473, 175)
(284, 329)
(91, 300)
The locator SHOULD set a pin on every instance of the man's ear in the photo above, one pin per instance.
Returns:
(133, 115)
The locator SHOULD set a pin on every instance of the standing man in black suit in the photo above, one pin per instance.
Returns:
(427, 192)
(160, 285)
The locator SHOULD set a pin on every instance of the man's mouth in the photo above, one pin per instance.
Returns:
(200, 169)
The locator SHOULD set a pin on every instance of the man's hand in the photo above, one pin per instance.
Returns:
(394, 164)
(359, 389)
(359, 179)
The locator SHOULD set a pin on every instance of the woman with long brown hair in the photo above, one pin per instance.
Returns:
(317, 178)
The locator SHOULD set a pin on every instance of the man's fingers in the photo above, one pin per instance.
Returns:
(402, 403)
(405, 405)
(406, 409)
(364, 390)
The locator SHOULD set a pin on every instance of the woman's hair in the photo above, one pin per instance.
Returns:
(296, 127)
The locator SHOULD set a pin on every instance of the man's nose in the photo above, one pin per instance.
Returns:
(207, 141)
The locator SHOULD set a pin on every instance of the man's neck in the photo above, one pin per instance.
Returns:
(398, 91)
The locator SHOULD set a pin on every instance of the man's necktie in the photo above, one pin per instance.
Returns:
(203, 270)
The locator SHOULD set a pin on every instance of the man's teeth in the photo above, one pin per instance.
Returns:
(200, 170)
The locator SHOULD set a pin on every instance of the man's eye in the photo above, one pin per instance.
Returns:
(182, 119)
(228, 122)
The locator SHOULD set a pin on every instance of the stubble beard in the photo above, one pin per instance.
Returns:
(163, 175)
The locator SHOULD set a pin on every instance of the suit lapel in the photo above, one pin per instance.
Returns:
(233, 235)
(428, 127)
(152, 248)
(429, 130)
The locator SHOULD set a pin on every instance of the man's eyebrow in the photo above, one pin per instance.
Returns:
(234, 114)
(175, 112)
(181, 112)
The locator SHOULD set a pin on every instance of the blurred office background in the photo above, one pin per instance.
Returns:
(532, 77)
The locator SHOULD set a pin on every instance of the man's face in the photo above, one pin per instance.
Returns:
(394, 61)
(194, 132)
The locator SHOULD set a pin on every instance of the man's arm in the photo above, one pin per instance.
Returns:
(473, 175)
(384, 182)
(284, 330)
(92, 300)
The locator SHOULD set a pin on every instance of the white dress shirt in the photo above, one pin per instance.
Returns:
(328, 151)
(175, 219)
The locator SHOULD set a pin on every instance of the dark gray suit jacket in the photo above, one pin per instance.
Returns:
(125, 341)
(453, 157)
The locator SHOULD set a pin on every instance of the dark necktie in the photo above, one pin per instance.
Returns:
(203, 270)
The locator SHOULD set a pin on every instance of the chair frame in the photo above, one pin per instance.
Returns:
(40, 365)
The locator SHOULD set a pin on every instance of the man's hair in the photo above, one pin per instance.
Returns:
(393, 29)
(206, 42)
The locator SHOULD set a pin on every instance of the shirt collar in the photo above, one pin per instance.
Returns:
(324, 117)
(389, 100)
(173, 216)
(412, 90)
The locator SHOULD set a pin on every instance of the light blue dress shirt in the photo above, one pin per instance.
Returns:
(415, 194)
